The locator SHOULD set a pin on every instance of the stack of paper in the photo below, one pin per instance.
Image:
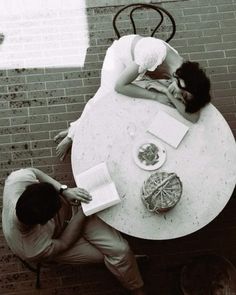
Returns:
(168, 129)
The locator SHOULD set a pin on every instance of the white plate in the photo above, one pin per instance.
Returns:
(156, 151)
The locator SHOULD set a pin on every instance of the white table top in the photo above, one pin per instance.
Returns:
(205, 161)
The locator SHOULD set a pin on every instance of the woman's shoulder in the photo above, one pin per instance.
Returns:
(151, 46)
(156, 45)
(126, 37)
(149, 53)
(153, 41)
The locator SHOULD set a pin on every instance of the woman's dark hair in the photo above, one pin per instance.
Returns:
(197, 83)
(38, 204)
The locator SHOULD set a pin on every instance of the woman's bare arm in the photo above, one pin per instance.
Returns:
(124, 84)
(180, 106)
(178, 103)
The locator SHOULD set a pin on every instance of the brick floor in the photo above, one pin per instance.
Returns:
(36, 103)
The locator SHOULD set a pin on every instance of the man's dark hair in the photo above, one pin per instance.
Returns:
(197, 83)
(38, 204)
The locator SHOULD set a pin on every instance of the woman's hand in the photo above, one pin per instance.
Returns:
(157, 86)
(76, 195)
(174, 98)
(180, 106)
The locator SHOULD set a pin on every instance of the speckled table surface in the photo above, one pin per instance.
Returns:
(204, 161)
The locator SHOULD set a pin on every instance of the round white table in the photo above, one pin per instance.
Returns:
(205, 161)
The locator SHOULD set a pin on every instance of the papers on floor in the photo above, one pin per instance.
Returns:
(168, 129)
(97, 181)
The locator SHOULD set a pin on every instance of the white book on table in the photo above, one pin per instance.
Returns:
(167, 128)
(97, 181)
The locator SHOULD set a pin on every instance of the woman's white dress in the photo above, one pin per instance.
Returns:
(148, 53)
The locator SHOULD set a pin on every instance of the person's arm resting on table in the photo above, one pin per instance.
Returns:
(180, 106)
(177, 102)
(124, 84)
(73, 230)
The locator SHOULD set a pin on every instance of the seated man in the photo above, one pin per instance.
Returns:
(43, 221)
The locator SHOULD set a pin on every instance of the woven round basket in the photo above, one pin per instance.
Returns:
(161, 191)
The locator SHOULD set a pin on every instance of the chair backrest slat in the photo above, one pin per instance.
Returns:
(161, 11)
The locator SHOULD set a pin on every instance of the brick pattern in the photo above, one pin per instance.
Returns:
(36, 103)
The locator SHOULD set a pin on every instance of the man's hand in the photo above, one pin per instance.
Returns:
(73, 195)
(76, 195)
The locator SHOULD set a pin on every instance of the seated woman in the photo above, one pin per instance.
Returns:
(132, 58)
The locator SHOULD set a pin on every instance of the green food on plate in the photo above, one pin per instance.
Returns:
(148, 154)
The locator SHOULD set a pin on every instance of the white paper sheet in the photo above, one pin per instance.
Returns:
(168, 129)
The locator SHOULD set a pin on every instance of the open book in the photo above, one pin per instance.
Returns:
(97, 181)
(168, 129)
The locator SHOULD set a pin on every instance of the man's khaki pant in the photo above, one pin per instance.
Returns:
(100, 242)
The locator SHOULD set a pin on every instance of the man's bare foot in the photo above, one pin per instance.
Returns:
(63, 148)
(61, 135)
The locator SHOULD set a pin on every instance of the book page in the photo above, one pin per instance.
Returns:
(102, 197)
(168, 129)
(94, 177)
